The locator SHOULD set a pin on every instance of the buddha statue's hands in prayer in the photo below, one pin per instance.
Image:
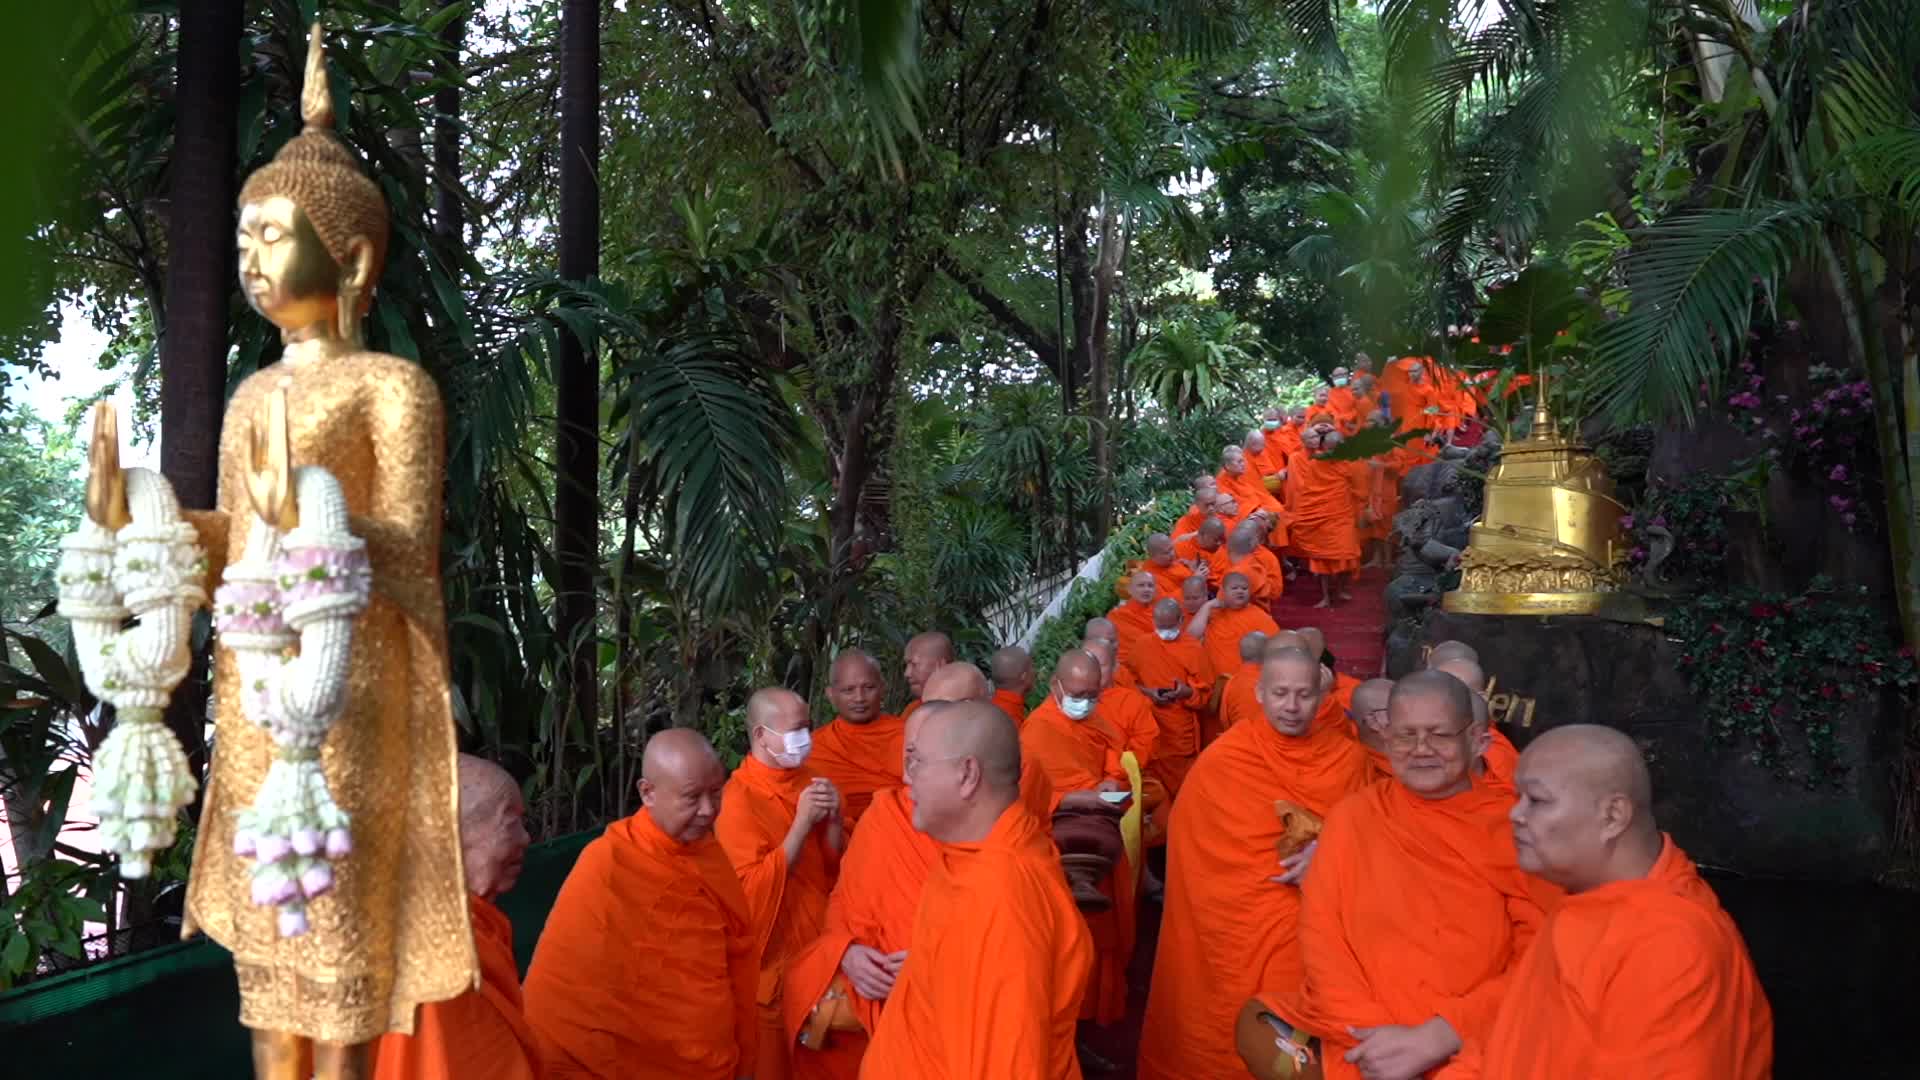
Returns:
(1294, 867)
(1396, 1052)
(870, 971)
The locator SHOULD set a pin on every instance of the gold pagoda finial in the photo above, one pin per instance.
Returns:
(316, 96)
(1543, 427)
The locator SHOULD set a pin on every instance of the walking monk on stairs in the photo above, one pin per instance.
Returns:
(1638, 971)
(1395, 987)
(653, 894)
(780, 827)
(1233, 898)
(998, 959)
(1171, 669)
(483, 1033)
(859, 750)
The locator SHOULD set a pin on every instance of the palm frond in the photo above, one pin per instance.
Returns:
(1695, 280)
(1317, 24)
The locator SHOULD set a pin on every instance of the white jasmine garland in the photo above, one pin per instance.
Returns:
(299, 590)
(151, 570)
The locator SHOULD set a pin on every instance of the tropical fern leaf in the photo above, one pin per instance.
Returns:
(1695, 278)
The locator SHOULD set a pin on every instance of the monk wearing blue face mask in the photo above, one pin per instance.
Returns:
(782, 830)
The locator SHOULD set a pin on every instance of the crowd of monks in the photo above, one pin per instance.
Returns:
(1361, 879)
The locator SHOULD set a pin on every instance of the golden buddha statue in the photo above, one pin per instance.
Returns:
(392, 933)
(1548, 541)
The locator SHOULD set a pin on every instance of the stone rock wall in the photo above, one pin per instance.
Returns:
(1724, 810)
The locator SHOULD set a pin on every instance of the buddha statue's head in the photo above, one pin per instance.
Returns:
(313, 225)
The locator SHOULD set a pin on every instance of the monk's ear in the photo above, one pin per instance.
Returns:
(1616, 816)
(970, 777)
(646, 791)
(1481, 738)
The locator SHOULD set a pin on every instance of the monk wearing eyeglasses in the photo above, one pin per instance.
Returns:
(1395, 988)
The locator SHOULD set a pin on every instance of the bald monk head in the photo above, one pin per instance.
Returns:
(965, 772)
(1193, 593)
(1235, 591)
(1585, 813)
(1289, 691)
(1315, 644)
(1341, 376)
(1431, 737)
(1320, 394)
(1242, 540)
(957, 682)
(1255, 442)
(1226, 507)
(779, 728)
(925, 652)
(1077, 683)
(1253, 646)
(1160, 549)
(680, 783)
(1012, 669)
(1102, 630)
(1142, 587)
(1451, 650)
(1285, 639)
(493, 827)
(1362, 362)
(1474, 678)
(1107, 655)
(1213, 533)
(1369, 711)
(855, 687)
(1233, 459)
(1167, 617)
(1202, 482)
(1298, 414)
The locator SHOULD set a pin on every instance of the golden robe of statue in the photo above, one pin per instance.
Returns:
(393, 934)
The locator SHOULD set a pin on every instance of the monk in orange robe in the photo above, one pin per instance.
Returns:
(1638, 972)
(482, 1034)
(1202, 508)
(1344, 403)
(924, 653)
(1500, 758)
(1245, 553)
(1079, 749)
(1193, 597)
(1267, 456)
(1240, 701)
(1232, 902)
(1367, 711)
(1012, 681)
(1241, 480)
(1123, 705)
(1169, 573)
(1207, 550)
(1226, 619)
(1132, 618)
(1171, 669)
(850, 968)
(999, 957)
(859, 749)
(780, 826)
(1327, 498)
(1394, 988)
(654, 894)
(1288, 436)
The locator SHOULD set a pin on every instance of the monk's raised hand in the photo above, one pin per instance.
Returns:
(868, 972)
(1295, 865)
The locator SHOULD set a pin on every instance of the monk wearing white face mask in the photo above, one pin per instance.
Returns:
(781, 827)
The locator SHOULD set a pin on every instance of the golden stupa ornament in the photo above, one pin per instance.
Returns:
(340, 450)
(1548, 541)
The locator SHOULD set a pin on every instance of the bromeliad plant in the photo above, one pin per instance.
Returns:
(1775, 671)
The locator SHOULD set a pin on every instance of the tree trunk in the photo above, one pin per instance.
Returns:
(200, 261)
(577, 382)
(449, 216)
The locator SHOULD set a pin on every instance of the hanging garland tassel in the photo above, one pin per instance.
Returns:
(301, 588)
(152, 569)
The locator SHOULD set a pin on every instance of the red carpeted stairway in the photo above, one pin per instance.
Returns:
(1356, 630)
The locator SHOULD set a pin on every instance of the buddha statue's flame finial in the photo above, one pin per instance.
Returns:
(316, 95)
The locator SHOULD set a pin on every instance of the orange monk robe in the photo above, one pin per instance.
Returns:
(860, 759)
(1372, 958)
(1189, 550)
(1290, 443)
(1226, 626)
(1167, 579)
(1502, 758)
(1159, 665)
(1078, 756)
(1229, 930)
(1248, 491)
(1131, 621)
(996, 968)
(1634, 978)
(1266, 578)
(1238, 702)
(1271, 458)
(1190, 521)
(1131, 711)
(787, 903)
(1013, 703)
(1326, 496)
(1346, 408)
(482, 1034)
(636, 904)
(1383, 498)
